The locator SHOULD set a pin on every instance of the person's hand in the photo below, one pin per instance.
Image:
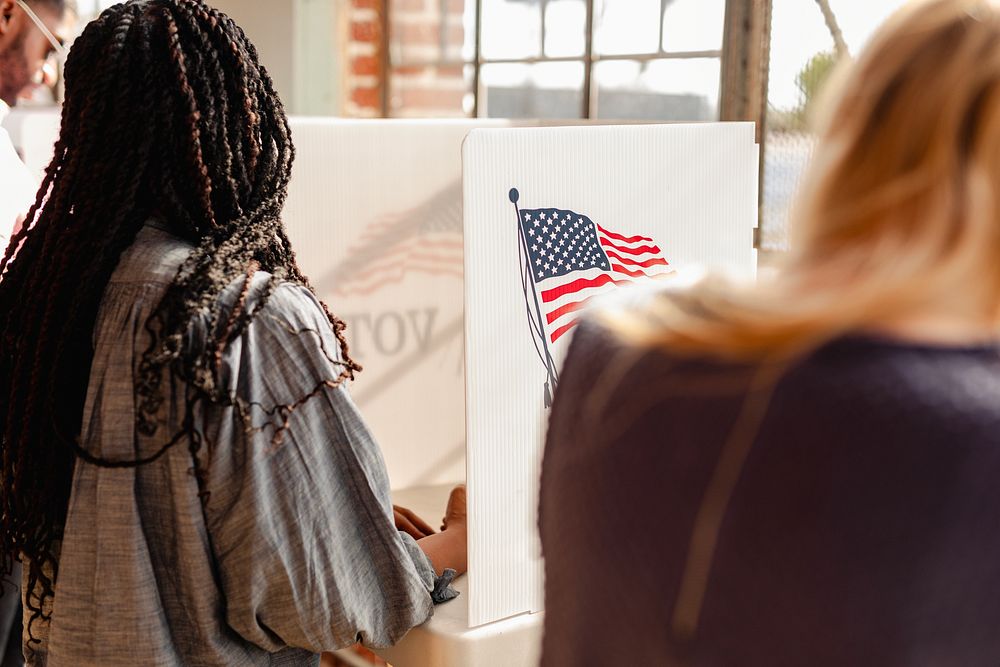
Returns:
(410, 523)
(449, 549)
(455, 515)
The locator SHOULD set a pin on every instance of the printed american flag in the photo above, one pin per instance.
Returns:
(573, 259)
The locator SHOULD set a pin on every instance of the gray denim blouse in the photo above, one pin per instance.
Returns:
(293, 552)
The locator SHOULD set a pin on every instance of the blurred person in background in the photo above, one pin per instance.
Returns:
(31, 36)
(805, 472)
(31, 33)
(185, 477)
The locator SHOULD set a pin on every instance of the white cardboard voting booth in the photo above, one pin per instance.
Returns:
(460, 324)
(375, 215)
(374, 212)
(555, 218)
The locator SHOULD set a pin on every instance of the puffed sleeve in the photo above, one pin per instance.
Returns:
(302, 525)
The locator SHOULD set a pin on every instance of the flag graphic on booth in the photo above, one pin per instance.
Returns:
(568, 259)
(424, 240)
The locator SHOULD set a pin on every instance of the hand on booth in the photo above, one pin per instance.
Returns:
(449, 548)
(410, 523)
(455, 512)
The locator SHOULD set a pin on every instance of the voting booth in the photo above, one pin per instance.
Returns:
(374, 213)
(555, 219)
(461, 255)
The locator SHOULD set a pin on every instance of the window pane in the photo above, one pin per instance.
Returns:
(670, 89)
(626, 26)
(429, 91)
(426, 31)
(543, 90)
(693, 25)
(565, 28)
(511, 28)
(801, 64)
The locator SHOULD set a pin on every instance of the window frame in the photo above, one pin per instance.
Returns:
(589, 106)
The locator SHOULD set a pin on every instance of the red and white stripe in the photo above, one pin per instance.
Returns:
(634, 259)
(435, 253)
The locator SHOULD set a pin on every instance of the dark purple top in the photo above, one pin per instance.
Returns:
(864, 528)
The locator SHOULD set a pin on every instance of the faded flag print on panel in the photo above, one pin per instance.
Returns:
(425, 240)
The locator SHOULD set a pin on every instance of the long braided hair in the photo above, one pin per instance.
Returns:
(168, 114)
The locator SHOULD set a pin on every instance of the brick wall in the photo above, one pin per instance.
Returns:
(363, 53)
(420, 32)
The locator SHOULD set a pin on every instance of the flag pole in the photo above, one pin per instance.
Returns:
(553, 378)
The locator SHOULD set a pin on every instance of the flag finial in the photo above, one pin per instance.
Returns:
(514, 195)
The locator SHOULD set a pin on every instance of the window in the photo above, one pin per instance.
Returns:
(608, 59)
(803, 53)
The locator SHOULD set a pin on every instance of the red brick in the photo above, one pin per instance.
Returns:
(416, 33)
(367, 97)
(366, 66)
(365, 31)
(451, 72)
(423, 98)
(409, 5)
(408, 70)
(442, 74)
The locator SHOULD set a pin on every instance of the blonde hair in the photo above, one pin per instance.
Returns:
(900, 207)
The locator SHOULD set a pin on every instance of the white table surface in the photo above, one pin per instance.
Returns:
(446, 639)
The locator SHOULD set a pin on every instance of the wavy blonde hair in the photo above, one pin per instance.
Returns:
(899, 217)
(900, 206)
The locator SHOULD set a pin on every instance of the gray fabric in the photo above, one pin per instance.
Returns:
(294, 550)
(10, 612)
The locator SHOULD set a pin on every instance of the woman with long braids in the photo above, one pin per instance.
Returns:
(184, 476)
